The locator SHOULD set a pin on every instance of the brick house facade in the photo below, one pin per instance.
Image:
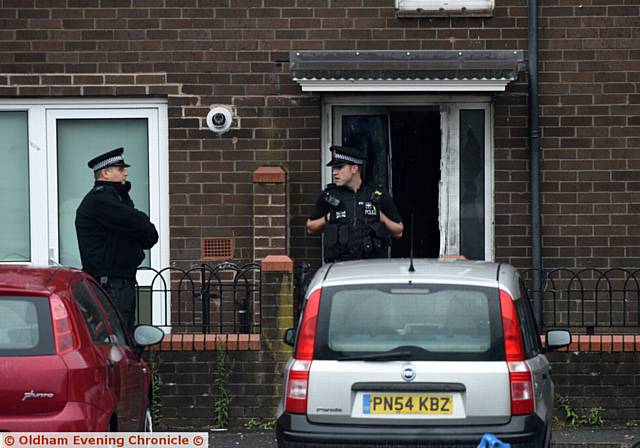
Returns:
(199, 53)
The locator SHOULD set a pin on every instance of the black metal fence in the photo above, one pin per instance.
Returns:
(589, 301)
(302, 277)
(221, 298)
(226, 298)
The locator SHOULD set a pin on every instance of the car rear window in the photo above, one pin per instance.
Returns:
(25, 326)
(444, 322)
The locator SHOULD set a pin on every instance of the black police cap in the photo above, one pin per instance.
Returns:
(110, 158)
(346, 154)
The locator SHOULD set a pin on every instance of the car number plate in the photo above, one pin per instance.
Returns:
(429, 404)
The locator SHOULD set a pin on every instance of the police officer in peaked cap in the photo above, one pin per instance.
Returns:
(357, 219)
(112, 233)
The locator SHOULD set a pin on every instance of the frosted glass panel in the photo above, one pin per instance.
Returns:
(14, 187)
(80, 141)
(472, 184)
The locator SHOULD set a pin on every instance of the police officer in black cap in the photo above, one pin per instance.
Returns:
(112, 233)
(358, 220)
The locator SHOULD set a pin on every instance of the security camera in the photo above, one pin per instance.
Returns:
(219, 119)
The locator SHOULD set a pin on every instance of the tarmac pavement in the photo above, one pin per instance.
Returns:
(596, 437)
(562, 438)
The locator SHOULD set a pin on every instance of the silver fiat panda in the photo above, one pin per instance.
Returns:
(430, 353)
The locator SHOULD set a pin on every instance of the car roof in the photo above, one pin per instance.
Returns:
(396, 270)
(33, 278)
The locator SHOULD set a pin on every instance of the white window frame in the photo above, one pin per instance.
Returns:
(43, 114)
(439, 6)
(449, 203)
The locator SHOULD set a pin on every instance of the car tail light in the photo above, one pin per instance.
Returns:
(62, 329)
(297, 386)
(521, 388)
(521, 384)
(298, 380)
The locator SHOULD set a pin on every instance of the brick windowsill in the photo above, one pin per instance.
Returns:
(208, 342)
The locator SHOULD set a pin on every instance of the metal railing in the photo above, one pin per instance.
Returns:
(221, 298)
(589, 301)
(302, 276)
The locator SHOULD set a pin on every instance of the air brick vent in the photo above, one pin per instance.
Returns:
(217, 248)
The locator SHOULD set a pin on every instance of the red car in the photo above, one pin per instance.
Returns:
(66, 364)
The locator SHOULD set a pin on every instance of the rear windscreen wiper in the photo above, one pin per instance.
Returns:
(379, 356)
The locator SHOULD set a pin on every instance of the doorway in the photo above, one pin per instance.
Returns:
(435, 159)
(402, 145)
(415, 161)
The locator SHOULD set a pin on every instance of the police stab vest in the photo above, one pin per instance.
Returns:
(354, 230)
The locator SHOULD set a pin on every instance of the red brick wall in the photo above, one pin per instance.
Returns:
(234, 52)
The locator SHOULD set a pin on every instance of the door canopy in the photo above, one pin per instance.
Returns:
(406, 71)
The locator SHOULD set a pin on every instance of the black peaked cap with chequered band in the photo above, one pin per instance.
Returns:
(110, 158)
(345, 154)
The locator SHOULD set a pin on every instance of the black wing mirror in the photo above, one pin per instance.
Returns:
(290, 336)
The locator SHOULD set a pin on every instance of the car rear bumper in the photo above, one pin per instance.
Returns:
(74, 417)
(293, 431)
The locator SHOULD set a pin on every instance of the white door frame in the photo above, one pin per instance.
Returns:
(450, 190)
(53, 115)
(449, 106)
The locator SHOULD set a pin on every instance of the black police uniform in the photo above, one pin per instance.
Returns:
(354, 230)
(112, 235)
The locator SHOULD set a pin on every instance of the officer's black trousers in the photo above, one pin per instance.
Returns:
(123, 293)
